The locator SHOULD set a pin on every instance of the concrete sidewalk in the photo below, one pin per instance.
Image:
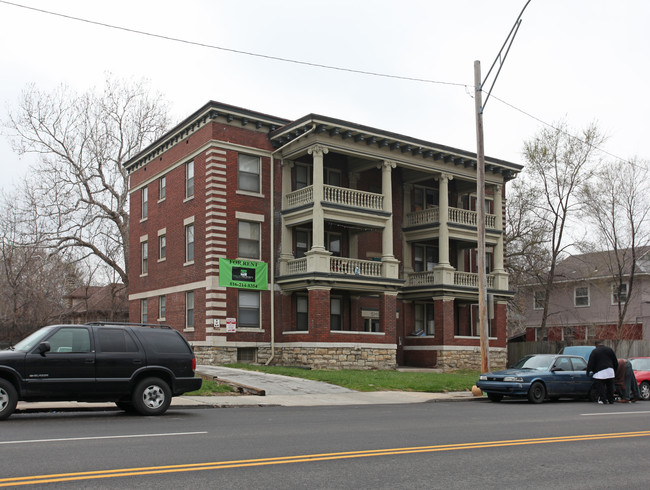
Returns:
(275, 391)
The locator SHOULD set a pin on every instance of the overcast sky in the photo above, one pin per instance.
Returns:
(579, 60)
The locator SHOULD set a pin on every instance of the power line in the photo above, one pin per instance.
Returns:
(297, 62)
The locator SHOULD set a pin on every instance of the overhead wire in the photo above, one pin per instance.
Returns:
(297, 62)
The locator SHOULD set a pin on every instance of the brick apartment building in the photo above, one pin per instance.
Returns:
(369, 239)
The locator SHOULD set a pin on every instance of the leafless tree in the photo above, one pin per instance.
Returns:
(617, 204)
(33, 277)
(80, 186)
(560, 164)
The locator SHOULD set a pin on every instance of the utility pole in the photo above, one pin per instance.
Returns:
(480, 208)
(479, 106)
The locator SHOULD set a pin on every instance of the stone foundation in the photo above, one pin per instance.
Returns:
(470, 359)
(308, 357)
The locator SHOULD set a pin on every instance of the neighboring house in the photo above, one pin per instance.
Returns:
(96, 303)
(370, 239)
(584, 303)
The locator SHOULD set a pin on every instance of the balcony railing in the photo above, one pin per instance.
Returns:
(336, 195)
(339, 265)
(455, 215)
(466, 279)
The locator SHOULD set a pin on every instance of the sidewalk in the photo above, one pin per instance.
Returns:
(277, 391)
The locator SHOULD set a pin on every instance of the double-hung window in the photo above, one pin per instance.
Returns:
(249, 173)
(189, 242)
(145, 202)
(249, 240)
(189, 309)
(619, 293)
(162, 188)
(144, 250)
(189, 180)
(581, 296)
(249, 308)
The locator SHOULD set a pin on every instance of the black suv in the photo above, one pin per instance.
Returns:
(137, 366)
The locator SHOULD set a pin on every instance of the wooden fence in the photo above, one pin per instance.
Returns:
(623, 348)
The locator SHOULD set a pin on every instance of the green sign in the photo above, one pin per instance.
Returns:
(243, 274)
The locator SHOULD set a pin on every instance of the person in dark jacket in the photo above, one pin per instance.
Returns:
(604, 364)
(626, 383)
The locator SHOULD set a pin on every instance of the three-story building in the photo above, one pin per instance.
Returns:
(370, 238)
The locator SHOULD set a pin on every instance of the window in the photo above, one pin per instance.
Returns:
(189, 243)
(303, 242)
(144, 247)
(162, 247)
(115, 340)
(425, 258)
(249, 240)
(143, 311)
(69, 340)
(424, 319)
(162, 306)
(189, 309)
(189, 180)
(145, 202)
(302, 308)
(249, 309)
(332, 177)
(538, 300)
(249, 173)
(581, 296)
(303, 176)
(424, 197)
(334, 243)
(619, 293)
(335, 314)
(162, 188)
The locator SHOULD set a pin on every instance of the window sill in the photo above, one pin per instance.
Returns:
(295, 332)
(142, 220)
(191, 198)
(162, 200)
(191, 262)
(162, 260)
(188, 329)
(144, 275)
(249, 193)
(358, 332)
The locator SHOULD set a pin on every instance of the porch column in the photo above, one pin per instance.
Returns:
(443, 272)
(388, 316)
(286, 238)
(500, 275)
(318, 258)
(317, 152)
(406, 247)
(389, 263)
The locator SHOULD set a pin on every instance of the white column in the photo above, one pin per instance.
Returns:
(387, 192)
(443, 273)
(318, 237)
(406, 247)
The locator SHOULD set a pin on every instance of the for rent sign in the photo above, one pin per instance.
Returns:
(243, 274)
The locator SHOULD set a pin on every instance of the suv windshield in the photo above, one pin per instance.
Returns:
(29, 342)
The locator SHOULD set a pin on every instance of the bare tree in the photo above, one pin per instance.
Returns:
(616, 202)
(33, 277)
(560, 164)
(82, 140)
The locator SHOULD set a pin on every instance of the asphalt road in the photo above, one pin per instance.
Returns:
(430, 445)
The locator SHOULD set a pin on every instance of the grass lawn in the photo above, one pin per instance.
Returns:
(210, 388)
(364, 380)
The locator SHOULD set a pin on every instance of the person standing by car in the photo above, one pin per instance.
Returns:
(626, 383)
(604, 364)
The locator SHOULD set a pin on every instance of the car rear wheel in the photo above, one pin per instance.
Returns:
(495, 397)
(644, 388)
(537, 393)
(151, 396)
(8, 399)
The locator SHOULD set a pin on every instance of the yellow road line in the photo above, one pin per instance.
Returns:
(153, 470)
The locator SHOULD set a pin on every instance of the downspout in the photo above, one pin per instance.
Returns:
(272, 265)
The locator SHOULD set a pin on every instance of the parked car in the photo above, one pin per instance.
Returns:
(641, 367)
(539, 377)
(139, 367)
(578, 350)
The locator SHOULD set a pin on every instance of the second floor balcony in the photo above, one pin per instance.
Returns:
(458, 216)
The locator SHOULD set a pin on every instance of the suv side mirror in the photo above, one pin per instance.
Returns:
(43, 347)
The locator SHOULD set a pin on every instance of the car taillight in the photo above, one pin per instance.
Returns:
(194, 364)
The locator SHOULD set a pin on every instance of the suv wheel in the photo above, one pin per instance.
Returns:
(151, 396)
(8, 398)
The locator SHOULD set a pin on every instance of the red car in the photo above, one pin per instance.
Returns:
(641, 367)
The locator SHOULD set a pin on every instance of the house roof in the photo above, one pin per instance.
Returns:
(282, 131)
(97, 298)
(595, 265)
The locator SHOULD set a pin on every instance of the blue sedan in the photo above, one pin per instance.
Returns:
(539, 377)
